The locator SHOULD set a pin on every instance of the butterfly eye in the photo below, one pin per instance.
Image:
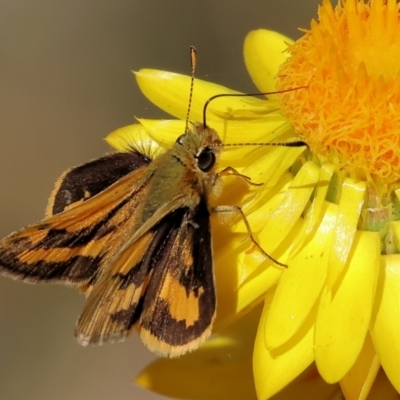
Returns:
(179, 140)
(206, 159)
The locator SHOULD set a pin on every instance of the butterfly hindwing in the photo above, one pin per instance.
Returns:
(164, 281)
(180, 302)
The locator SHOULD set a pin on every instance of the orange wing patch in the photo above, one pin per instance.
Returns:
(185, 306)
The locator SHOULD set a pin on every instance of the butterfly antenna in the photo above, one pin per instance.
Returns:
(193, 62)
(217, 96)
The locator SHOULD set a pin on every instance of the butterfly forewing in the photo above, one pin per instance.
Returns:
(85, 181)
(72, 247)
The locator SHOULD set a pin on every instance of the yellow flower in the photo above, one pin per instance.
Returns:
(332, 213)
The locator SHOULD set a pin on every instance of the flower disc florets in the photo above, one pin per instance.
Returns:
(350, 110)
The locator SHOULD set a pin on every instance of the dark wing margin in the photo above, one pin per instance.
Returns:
(166, 288)
(85, 181)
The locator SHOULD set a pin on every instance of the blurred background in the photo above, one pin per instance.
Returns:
(66, 82)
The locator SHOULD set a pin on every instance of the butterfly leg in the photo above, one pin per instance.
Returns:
(229, 171)
(238, 210)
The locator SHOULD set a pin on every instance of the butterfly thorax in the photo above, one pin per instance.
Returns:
(188, 170)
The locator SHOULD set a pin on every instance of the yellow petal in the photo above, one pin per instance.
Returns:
(315, 213)
(301, 284)
(170, 92)
(309, 386)
(277, 219)
(281, 254)
(357, 383)
(164, 132)
(395, 227)
(350, 205)
(219, 369)
(385, 330)
(345, 311)
(131, 136)
(273, 370)
(287, 207)
(234, 296)
(270, 167)
(264, 53)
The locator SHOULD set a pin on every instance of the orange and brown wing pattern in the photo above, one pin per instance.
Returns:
(71, 247)
(179, 304)
(164, 282)
(78, 184)
(112, 306)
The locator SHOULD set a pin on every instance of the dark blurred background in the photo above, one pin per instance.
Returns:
(65, 83)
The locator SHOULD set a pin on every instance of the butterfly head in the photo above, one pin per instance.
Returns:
(202, 144)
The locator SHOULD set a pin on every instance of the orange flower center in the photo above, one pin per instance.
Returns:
(350, 111)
